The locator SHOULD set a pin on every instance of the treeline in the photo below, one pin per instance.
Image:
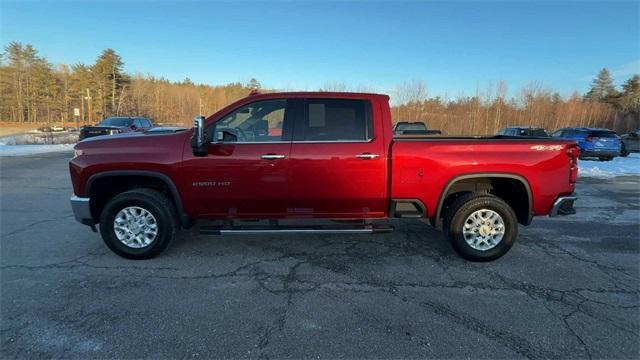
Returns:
(35, 91)
(490, 110)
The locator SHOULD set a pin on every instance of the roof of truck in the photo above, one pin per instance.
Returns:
(338, 94)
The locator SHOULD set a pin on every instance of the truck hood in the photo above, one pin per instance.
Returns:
(159, 131)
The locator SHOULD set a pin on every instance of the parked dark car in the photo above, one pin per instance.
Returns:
(523, 131)
(603, 144)
(413, 128)
(630, 142)
(116, 125)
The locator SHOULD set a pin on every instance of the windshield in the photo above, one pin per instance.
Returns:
(117, 121)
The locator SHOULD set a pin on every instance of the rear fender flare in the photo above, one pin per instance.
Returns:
(517, 177)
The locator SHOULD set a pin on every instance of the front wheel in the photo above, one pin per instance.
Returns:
(138, 224)
(481, 227)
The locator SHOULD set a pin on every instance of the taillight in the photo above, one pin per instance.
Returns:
(573, 153)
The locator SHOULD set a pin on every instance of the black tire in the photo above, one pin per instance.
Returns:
(623, 151)
(154, 202)
(462, 208)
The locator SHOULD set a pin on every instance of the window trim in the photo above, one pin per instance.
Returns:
(302, 122)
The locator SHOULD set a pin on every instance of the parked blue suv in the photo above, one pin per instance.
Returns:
(593, 142)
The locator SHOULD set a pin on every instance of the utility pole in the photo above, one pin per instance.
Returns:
(84, 120)
(89, 105)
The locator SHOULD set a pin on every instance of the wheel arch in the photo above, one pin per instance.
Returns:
(524, 219)
(95, 180)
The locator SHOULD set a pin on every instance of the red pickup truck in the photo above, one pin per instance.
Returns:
(269, 158)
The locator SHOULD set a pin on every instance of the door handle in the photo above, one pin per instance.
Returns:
(367, 156)
(272, 156)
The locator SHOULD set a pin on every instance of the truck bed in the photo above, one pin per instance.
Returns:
(487, 137)
(423, 167)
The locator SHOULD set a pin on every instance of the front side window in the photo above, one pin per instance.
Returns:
(261, 121)
(337, 120)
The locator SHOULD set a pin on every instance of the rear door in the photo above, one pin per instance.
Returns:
(338, 161)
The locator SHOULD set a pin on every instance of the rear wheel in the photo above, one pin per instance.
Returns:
(138, 224)
(481, 227)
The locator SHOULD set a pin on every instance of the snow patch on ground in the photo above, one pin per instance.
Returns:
(22, 150)
(619, 166)
(40, 138)
(37, 143)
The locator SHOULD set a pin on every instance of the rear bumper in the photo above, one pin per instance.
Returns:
(599, 153)
(82, 210)
(563, 206)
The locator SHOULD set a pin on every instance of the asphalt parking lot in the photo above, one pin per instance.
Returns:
(569, 288)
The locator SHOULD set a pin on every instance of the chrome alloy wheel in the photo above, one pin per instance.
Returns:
(483, 230)
(135, 227)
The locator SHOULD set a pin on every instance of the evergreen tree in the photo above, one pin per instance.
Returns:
(602, 88)
(630, 98)
(254, 84)
(109, 79)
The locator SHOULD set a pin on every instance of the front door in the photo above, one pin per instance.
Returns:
(338, 163)
(245, 173)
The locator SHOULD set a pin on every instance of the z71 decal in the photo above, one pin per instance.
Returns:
(546, 147)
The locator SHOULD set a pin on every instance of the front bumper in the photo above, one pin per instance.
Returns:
(563, 206)
(82, 210)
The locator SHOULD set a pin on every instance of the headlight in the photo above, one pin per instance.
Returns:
(77, 152)
(112, 132)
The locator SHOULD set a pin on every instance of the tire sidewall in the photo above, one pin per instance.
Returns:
(457, 223)
(163, 220)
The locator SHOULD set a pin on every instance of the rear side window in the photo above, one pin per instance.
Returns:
(337, 120)
(602, 134)
(411, 127)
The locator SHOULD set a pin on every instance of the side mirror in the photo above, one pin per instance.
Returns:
(199, 140)
(133, 127)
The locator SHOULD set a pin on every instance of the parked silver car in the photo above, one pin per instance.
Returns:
(631, 142)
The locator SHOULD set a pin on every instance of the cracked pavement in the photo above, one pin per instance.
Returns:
(569, 288)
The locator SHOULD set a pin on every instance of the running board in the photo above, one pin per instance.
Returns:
(256, 230)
